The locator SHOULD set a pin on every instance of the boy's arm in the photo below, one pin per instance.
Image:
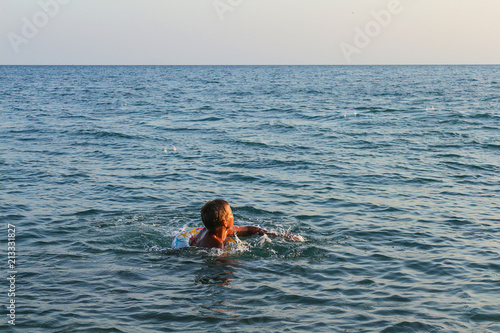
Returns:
(246, 231)
(252, 230)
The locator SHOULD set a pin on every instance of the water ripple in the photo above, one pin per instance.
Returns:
(397, 202)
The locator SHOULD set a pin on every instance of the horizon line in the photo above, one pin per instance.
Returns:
(241, 65)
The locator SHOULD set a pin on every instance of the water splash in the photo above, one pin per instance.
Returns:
(351, 113)
(165, 149)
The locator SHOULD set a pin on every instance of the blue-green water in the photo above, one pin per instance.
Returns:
(390, 173)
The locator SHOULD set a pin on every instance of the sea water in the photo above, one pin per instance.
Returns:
(389, 173)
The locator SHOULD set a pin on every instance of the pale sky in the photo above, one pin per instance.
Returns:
(248, 32)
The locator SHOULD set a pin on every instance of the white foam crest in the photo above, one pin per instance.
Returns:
(239, 246)
(263, 240)
(285, 234)
(156, 248)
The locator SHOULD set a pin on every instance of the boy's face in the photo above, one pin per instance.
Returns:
(230, 217)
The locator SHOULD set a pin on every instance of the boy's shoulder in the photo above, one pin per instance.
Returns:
(196, 237)
(205, 239)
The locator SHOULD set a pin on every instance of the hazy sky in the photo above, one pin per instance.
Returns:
(165, 32)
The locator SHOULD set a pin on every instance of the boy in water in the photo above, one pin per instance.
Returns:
(218, 219)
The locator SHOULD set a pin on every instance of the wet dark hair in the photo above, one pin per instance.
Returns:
(213, 213)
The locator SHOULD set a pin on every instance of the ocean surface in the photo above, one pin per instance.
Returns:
(391, 174)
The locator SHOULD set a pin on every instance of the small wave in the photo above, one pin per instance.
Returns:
(458, 221)
(415, 326)
(481, 116)
(241, 93)
(447, 155)
(88, 212)
(208, 119)
(492, 146)
(424, 180)
(492, 98)
(280, 125)
(100, 134)
(251, 143)
(252, 211)
(459, 166)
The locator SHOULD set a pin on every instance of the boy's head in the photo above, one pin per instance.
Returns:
(214, 213)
